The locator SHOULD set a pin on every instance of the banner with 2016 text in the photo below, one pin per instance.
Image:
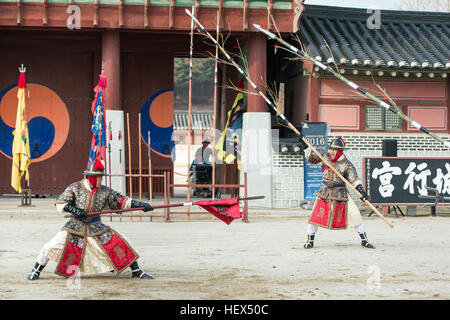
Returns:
(316, 133)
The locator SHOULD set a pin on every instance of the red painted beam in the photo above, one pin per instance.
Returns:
(54, 15)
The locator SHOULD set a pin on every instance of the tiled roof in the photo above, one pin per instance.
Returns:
(404, 39)
(200, 120)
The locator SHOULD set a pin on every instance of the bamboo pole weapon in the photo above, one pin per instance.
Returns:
(353, 85)
(288, 123)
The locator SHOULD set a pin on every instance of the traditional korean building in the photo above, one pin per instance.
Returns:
(63, 45)
(404, 53)
(404, 56)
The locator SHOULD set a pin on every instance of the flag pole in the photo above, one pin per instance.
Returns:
(215, 107)
(109, 154)
(102, 124)
(27, 112)
(214, 115)
(21, 156)
(189, 112)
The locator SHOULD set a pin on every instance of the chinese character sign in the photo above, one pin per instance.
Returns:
(402, 180)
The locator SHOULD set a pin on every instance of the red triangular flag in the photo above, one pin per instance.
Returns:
(225, 209)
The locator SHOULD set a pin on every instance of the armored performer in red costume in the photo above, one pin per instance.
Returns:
(333, 208)
(85, 243)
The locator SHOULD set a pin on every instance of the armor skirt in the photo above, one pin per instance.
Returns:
(332, 214)
(89, 252)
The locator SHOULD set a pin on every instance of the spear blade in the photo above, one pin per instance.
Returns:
(267, 32)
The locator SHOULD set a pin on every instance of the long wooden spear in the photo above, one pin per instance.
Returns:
(184, 204)
(288, 123)
(353, 85)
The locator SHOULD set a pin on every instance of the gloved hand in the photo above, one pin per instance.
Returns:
(363, 193)
(80, 213)
(303, 144)
(137, 204)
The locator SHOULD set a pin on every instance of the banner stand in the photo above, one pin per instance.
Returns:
(317, 134)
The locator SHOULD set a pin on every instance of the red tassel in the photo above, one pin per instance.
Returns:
(22, 81)
(110, 135)
(102, 80)
(120, 135)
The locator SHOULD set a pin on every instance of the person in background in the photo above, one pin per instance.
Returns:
(203, 154)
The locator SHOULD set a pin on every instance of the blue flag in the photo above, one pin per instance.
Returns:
(98, 128)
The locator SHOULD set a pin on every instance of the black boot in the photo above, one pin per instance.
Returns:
(310, 243)
(35, 273)
(365, 242)
(138, 272)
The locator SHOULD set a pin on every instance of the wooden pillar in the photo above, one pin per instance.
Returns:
(313, 98)
(111, 63)
(257, 63)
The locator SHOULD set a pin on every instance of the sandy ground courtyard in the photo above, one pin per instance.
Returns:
(262, 259)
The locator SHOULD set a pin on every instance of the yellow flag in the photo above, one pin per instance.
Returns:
(21, 143)
(235, 109)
